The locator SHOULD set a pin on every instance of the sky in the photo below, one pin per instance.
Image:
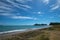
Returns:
(28, 12)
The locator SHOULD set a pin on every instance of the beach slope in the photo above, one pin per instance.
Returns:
(51, 33)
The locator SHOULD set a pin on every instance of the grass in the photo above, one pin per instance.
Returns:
(51, 33)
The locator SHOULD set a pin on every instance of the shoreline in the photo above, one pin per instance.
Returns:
(37, 34)
(21, 30)
(5, 35)
(15, 32)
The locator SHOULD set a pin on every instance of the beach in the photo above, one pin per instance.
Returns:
(37, 34)
(16, 32)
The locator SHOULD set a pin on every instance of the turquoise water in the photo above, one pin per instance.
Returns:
(20, 28)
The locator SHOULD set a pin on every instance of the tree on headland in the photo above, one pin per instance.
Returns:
(39, 24)
(54, 23)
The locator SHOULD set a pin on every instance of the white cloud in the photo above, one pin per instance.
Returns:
(29, 0)
(23, 1)
(4, 7)
(22, 17)
(26, 6)
(58, 2)
(45, 1)
(4, 4)
(7, 8)
(6, 14)
(55, 7)
(38, 12)
(13, 3)
(18, 5)
(35, 18)
(13, 16)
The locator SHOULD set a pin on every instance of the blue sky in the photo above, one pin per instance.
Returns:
(27, 12)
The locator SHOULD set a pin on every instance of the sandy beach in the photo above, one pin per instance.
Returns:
(37, 34)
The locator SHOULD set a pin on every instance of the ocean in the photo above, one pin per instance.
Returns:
(6, 29)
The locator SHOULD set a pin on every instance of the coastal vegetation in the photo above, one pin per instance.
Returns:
(54, 23)
(40, 24)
